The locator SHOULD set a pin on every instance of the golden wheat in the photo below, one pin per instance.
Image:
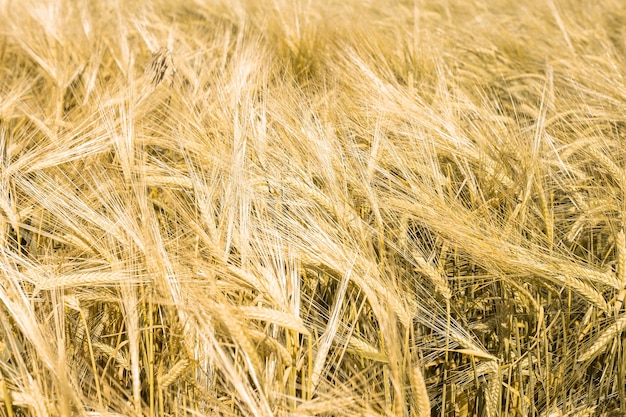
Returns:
(284, 207)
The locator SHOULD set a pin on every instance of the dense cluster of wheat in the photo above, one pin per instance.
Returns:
(291, 207)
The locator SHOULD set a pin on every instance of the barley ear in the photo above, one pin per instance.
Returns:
(420, 394)
(492, 394)
(440, 283)
(160, 66)
(620, 247)
(607, 336)
(174, 373)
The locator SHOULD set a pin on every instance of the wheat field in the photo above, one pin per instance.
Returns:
(312, 208)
